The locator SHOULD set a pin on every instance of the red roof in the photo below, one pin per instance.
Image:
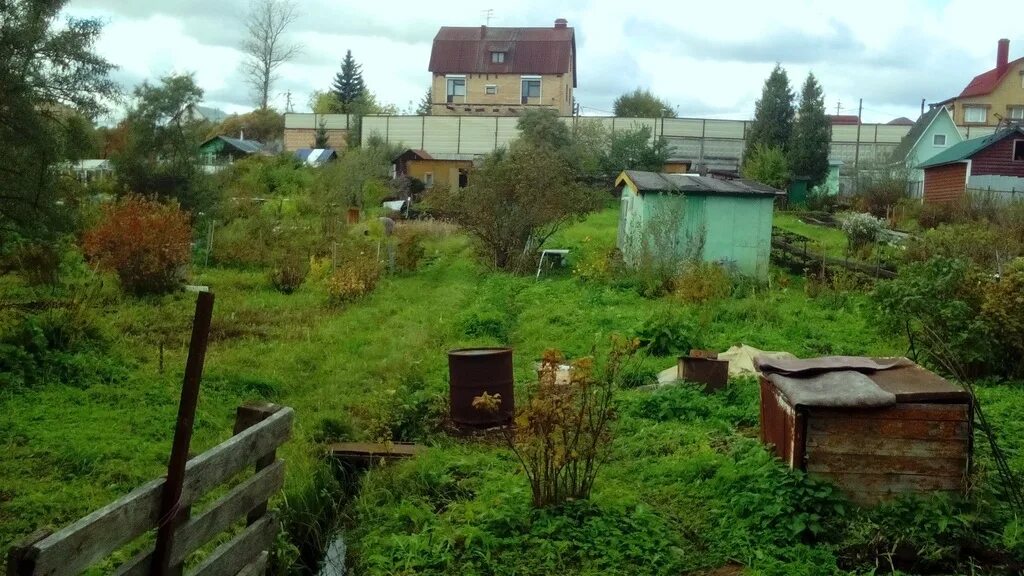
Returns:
(461, 50)
(844, 119)
(987, 82)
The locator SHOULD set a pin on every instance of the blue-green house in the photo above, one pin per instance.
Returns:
(934, 132)
(682, 216)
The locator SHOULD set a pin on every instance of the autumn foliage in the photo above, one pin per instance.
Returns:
(145, 242)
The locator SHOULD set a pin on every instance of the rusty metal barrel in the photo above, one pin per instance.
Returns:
(473, 371)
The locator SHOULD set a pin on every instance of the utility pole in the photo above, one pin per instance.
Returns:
(838, 106)
(856, 149)
(288, 101)
(488, 14)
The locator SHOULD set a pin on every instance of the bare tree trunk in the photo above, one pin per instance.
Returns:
(264, 47)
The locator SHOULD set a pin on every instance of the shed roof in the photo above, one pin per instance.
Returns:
(418, 154)
(467, 50)
(967, 148)
(245, 146)
(916, 132)
(315, 156)
(843, 119)
(694, 184)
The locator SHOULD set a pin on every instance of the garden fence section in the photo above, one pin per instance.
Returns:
(259, 431)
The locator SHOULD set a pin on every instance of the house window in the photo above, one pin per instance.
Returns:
(497, 57)
(491, 89)
(456, 89)
(1018, 150)
(1016, 112)
(939, 140)
(428, 179)
(531, 90)
(975, 114)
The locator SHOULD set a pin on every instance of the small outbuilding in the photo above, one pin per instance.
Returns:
(993, 163)
(221, 150)
(875, 427)
(434, 168)
(681, 216)
(316, 156)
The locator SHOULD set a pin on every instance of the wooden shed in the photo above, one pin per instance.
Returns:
(875, 427)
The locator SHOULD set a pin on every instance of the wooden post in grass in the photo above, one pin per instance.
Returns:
(171, 513)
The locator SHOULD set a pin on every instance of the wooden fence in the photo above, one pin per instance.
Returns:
(259, 431)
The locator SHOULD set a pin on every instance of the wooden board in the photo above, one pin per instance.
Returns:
(74, 548)
(886, 465)
(257, 567)
(930, 412)
(873, 488)
(819, 443)
(907, 429)
(241, 550)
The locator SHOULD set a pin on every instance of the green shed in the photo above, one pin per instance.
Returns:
(682, 216)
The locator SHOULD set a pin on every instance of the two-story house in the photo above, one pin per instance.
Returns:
(992, 96)
(490, 71)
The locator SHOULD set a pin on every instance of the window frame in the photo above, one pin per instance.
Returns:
(498, 56)
(1019, 109)
(428, 179)
(524, 82)
(490, 89)
(450, 82)
(1017, 150)
(970, 107)
(945, 140)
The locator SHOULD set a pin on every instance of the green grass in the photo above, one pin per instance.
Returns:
(831, 241)
(680, 461)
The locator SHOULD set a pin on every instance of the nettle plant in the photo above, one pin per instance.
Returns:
(563, 434)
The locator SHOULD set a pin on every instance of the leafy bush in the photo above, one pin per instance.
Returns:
(861, 229)
(935, 214)
(354, 277)
(563, 433)
(767, 165)
(411, 411)
(670, 335)
(982, 244)
(145, 242)
(409, 249)
(1003, 311)
(702, 282)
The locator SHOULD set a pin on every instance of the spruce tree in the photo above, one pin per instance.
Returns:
(773, 114)
(808, 149)
(425, 105)
(348, 86)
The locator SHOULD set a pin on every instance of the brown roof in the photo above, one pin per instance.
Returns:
(844, 119)
(462, 50)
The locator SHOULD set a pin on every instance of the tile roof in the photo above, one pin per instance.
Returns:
(467, 50)
(967, 148)
(694, 184)
(986, 82)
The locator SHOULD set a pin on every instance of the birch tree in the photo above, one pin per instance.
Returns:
(265, 47)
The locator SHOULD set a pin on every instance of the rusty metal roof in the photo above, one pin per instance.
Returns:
(465, 50)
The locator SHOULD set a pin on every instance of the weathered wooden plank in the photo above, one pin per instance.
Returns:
(820, 443)
(224, 512)
(241, 550)
(874, 488)
(257, 567)
(883, 465)
(907, 429)
(79, 545)
(936, 412)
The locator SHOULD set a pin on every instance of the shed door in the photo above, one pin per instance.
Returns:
(624, 206)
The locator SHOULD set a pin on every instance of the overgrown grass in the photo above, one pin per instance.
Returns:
(689, 487)
(830, 241)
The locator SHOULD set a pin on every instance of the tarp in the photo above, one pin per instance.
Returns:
(837, 389)
(741, 362)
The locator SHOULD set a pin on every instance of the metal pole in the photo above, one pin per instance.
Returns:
(171, 513)
(856, 148)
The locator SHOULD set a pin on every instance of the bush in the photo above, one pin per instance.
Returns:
(1003, 311)
(409, 250)
(411, 411)
(767, 165)
(664, 335)
(982, 244)
(861, 229)
(702, 282)
(289, 273)
(355, 276)
(933, 215)
(146, 243)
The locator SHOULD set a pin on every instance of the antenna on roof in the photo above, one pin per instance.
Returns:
(487, 14)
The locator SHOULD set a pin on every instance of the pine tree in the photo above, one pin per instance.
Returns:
(808, 149)
(348, 86)
(320, 135)
(773, 114)
(424, 107)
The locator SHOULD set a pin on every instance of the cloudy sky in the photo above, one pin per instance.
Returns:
(708, 59)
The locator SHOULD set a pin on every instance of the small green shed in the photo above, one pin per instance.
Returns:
(682, 216)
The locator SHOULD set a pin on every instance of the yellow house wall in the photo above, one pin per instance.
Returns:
(445, 171)
(555, 92)
(1010, 92)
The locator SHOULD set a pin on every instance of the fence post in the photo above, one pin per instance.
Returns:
(247, 416)
(20, 560)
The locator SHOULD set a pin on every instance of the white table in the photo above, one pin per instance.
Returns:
(554, 251)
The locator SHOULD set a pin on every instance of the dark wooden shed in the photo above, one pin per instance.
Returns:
(875, 427)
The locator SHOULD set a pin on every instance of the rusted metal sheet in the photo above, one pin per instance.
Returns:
(474, 371)
(915, 384)
(704, 367)
(782, 426)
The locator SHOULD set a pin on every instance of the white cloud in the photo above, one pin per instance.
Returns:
(709, 59)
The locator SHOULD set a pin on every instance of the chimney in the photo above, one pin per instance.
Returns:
(1002, 56)
(483, 31)
(561, 23)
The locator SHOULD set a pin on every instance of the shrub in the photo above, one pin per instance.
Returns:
(354, 277)
(1003, 311)
(145, 242)
(702, 282)
(932, 215)
(38, 262)
(564, 431)
(409, 250)
(288, 274)
(861, 229)
(982, 244)
(767, 165)
(409, 411)
(664, 335)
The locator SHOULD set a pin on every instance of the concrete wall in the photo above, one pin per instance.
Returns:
(300, 129)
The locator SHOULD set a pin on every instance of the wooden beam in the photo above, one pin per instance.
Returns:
(72, 549)
(257, 567)
(241, 550)
(214, 520)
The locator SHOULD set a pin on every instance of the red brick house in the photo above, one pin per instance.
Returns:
(993, 163)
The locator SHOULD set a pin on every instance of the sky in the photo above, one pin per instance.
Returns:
(707, 59)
